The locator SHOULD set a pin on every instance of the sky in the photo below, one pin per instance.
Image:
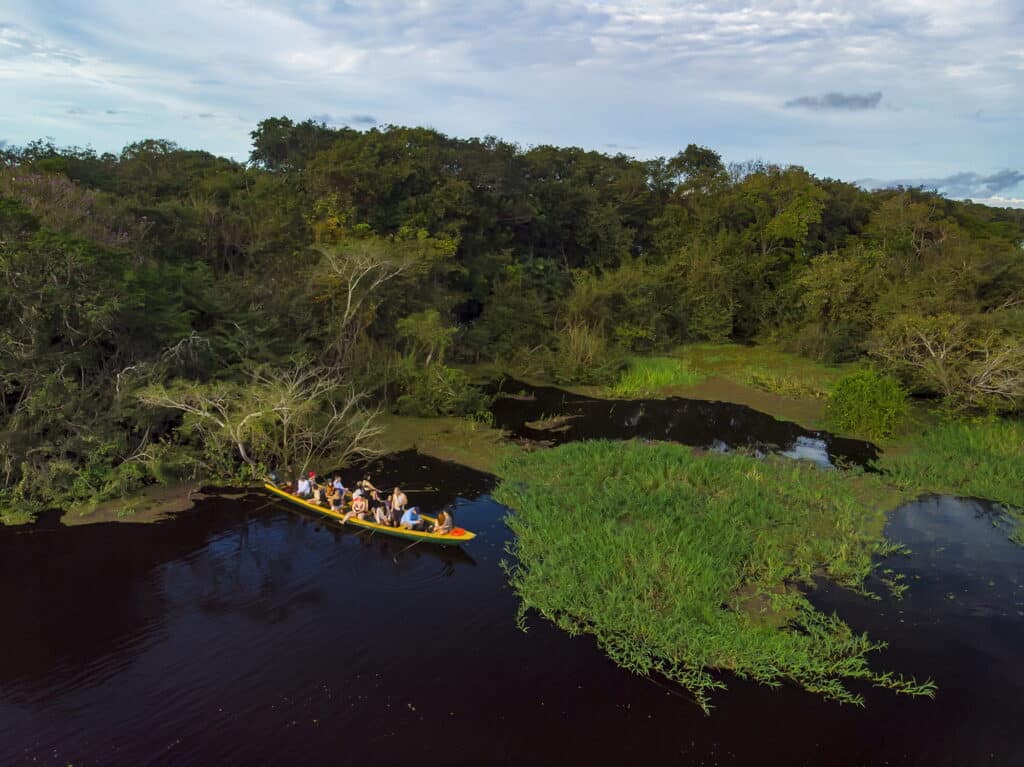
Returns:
(902, 91)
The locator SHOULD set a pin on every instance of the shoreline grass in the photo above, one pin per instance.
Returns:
(980, 458)
(689, 565)
(762, 367)
(651, 375)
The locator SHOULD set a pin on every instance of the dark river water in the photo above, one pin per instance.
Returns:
(244, 632)
(720, 426)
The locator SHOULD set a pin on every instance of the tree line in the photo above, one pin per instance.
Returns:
(167, 312)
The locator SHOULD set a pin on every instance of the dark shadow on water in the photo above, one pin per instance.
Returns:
(715, 425)
(245, 633)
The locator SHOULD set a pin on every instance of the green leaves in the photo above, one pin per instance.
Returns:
(686, 565)
(343, 246)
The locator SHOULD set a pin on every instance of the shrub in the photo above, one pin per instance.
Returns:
(868, 403)
(972, 365)
(436, 390)
(583, 355)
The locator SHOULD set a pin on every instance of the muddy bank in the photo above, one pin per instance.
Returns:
(460, 440)
(150, 504)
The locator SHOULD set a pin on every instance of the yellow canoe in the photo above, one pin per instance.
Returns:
(414, 535)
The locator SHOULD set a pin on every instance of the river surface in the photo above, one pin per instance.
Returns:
(721, 426)
(243, 632)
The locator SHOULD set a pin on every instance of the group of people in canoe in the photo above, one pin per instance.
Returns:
(365, 502)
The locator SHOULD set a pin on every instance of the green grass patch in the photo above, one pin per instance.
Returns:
(981, 458)
(762, 367)
(685, 565)
(651, 375)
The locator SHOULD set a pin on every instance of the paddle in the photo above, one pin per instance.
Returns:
(414, 543)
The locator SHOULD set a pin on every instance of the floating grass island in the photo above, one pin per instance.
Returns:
(689, 565)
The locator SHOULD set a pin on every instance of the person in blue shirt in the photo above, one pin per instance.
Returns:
(411, 519)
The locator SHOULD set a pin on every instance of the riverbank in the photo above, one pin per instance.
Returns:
(929, 454)
(931, 451)
(783, 385)
(976, 458)
(151, 504)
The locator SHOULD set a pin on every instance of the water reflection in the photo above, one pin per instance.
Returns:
(809, 449)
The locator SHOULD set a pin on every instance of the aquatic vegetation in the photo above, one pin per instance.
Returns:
(688, 565)
(981, 458)
(649, 375)
(867, 403)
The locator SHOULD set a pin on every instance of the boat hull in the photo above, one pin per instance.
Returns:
(395, 532)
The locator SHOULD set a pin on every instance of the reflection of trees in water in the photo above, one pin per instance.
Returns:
(78, 604)
(77, 598)
(250, 569)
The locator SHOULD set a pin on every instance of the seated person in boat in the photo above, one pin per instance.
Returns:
(335, 498)
(445, 523)
(366, 485)
(304, 486)
(380, 511)
(360, 507)
(338, 485)
(319, 493)
(411, 519)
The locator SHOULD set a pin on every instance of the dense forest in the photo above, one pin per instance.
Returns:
(169, 313)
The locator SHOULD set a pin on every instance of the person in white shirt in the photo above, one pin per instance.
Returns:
(339, 485)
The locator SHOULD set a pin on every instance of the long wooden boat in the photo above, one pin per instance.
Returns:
(456, 538)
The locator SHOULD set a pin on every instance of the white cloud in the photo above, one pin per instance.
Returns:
(651, 74)
(1001, 202)
(988, 188)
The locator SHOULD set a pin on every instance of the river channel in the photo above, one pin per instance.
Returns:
(243, 632)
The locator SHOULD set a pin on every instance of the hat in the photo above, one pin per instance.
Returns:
(357, 494)
(312, 474)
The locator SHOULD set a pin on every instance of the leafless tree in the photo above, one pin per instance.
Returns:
(284, 417)
(354, 272)
(942, 353)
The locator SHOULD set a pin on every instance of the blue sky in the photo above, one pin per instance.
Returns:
(918, 91)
